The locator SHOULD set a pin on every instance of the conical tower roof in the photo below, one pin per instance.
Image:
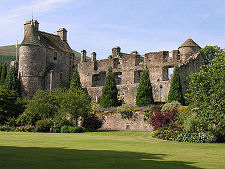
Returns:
(31, 37)
(189, 43)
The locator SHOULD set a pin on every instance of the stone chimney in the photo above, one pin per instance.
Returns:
(29, 24)
(62, 32)
(84, 55)
(93, 56)
(116, 51)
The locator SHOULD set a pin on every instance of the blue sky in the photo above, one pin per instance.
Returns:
(99, 25)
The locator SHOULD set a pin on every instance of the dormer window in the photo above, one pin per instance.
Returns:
(55, 55)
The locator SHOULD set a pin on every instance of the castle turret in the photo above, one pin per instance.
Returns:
(84, 55)
(189, 47)
(93, 56)
(32, 62)
(116, 51)
(62, 32)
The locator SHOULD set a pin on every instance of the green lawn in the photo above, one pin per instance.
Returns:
(104, 150)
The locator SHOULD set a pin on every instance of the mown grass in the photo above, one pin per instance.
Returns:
(104, 150)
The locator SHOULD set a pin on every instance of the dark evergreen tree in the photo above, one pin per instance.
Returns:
(109, 91)
(0, 70)
(75, 82)
(11, 81)
(144, 91)
(175, 93)
(4, 73)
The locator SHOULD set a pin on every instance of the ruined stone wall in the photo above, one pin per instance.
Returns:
(191, 66)
(113, 121)
(127, 69)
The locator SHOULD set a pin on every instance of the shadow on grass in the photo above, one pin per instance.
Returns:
(62, 158)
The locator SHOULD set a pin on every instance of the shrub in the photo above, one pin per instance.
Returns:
(72, 129)
(27, 128)
(182, 108)
(59, 122)
(109, 91)
(137, 108)
(126, 111)
(202, 137)
(167, 133)
(75, 103)
(193, 124)
(7, 128)
(44, 104)
(144, 91)
(174, 105)
(43, 125)
(149, 110)
(92, 122)
(159, 119)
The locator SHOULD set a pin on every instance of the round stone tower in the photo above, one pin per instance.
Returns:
(189, 47)
(32, 60)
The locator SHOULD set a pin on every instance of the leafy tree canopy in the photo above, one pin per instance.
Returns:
(210, 52)
(207, 94)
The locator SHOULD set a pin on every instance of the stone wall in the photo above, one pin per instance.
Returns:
(127, 69)
(113, 121)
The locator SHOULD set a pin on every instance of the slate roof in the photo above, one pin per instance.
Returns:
(31, 38)
(189, 43)
(47, 40)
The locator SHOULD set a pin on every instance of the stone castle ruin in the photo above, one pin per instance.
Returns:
(47, 61)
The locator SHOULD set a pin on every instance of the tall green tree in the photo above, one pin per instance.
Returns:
(210, 52)
(207, 96)
(75, 103)
(175, 93)
(75, 82)
(144, 91)
(4, 73)
(109, 91)
(0, 70)
(10, 105)
(11, 81)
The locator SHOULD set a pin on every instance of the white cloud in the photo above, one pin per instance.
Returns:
(39, 6)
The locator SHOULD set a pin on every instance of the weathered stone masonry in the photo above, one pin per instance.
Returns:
(127, 69)
(47, 61)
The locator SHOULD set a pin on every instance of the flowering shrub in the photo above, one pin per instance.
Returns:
(6, 128)
(43, 125)
(167, 133)
(126, 111)
(171, 106)
(159, 119)
(202, 137)
(27, 128)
